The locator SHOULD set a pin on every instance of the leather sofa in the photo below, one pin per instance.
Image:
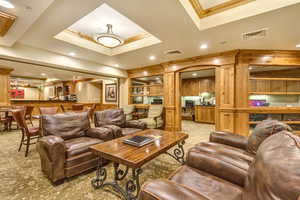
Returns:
(117, 117)
(274, 174)
(64, 148)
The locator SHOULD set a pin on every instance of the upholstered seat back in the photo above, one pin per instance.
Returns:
(155, 111)
(128, 110)
(67, 125)
(275, 173)
(262, 131)
(110, 117)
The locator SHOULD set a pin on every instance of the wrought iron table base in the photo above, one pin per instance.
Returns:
(178, 153)
(132, 186)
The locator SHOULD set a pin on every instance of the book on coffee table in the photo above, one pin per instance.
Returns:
(138, 140)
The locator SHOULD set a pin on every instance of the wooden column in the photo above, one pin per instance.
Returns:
(5, 86)
(225, 92)
(169, 101)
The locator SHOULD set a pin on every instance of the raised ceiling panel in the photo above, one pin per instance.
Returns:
(82, 32)
(206, 4)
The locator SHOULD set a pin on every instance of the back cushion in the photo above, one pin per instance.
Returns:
(263, 130)
(67, 125)
(110, 117)
(155, 111)
(275, 173)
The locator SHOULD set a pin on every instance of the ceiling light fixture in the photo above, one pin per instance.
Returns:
(203, 46)
(117, 65)
(194, 74)
(6, 4)
(109, 39)
(152, 57)
(216, 61)
(72, 54)
(43, 74)
(298, 46)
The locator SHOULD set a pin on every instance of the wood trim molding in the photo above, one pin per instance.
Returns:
(5, 70)
(202, 13)
(6, 22)
(127, 41)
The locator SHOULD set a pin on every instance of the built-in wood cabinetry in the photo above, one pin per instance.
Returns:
(205, 114)
(233, 86)
(195, 86)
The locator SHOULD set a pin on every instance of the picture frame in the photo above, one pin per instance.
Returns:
(111, 92)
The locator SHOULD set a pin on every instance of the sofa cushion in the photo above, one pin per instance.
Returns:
(263, 130)
(275, 174)
(221, 162)
(129, 131)
(67, 126)
(80, 145)
(207, 185)
(151, 123)
(110, 117)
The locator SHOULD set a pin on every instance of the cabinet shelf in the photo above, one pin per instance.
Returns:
(274, 79)
(275, 93)
(286, 122)
(142, 86)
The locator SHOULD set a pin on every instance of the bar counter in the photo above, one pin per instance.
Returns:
(56, 103)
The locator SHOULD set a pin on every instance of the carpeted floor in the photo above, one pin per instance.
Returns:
(22, 179)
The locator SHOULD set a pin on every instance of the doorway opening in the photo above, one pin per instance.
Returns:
(198, 101)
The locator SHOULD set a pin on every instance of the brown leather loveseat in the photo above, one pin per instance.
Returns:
(64, 148)
(274, 174)
(117, 117)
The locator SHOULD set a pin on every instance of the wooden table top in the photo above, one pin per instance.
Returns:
(131, 156)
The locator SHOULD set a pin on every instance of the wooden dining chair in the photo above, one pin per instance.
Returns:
(28, 113)
(48, 110)
(28, 134)
(77, 107)
(62, 108)
(91, 111)
(6, 122)
(12, 120)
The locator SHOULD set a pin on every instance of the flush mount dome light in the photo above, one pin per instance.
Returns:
(109, 39)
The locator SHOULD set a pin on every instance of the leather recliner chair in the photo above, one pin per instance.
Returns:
(273, 175)
(117, 117)
(64, 149)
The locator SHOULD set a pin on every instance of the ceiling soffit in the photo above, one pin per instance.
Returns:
(204, 11)
(206, 14)
(82, 32)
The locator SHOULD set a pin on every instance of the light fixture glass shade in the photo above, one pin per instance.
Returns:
(109, 39)
(6, 4)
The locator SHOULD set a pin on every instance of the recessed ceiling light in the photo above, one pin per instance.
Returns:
(174, 67)
(194, 74)
(298, 45)
(216, 61)
(72, 54)
(117, 65)
(6, 4)
(203, 46)
(266, 58)
(157, 78)
(43, 74)
(145, 73)
(152, 57)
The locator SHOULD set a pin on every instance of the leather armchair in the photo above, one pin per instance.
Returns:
(117, 118)
(64, 149)
(273, 175)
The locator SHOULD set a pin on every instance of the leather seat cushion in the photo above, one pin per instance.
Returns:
(128, 131)
(229, 150)
(207, 185)
(80, 145)
(225, 163)
(34, 131)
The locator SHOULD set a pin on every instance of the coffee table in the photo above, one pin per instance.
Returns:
(134, 158)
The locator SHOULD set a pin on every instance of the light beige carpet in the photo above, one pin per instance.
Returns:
(21, 178)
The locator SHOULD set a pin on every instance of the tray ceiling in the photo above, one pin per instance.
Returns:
(82, 32)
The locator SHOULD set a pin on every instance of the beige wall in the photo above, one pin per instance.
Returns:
(31, 93)
(124, 92)
(88, 92)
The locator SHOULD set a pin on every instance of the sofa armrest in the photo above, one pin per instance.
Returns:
(52, 153)
(136, 124)
(230, 139)
(105, 133)
(167, 190)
